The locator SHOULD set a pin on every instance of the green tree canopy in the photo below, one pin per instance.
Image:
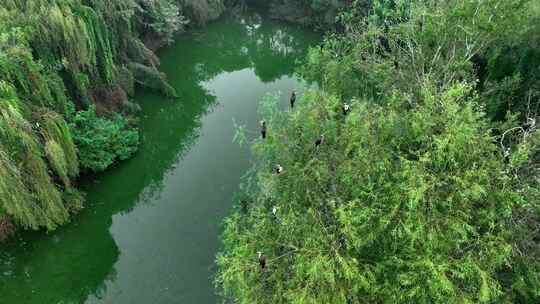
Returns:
(427, 192)
(404, 203)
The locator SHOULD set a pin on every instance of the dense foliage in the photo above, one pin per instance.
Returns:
(58, 57)
(101, 140)
(426, 191)
(313, 13)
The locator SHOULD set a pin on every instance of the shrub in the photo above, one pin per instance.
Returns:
(101, 141)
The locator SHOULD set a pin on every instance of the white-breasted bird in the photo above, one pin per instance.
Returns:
(275, 210)
(346, 108)
(262, 260)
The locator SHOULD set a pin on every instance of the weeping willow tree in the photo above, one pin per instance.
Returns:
(29, 193)
(86, 46)
(35, 137)
(59, 146)
(79, 42)
(58, 58)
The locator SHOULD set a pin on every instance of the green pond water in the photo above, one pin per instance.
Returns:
(150, 230)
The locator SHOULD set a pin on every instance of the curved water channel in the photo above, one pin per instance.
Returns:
(151, 228)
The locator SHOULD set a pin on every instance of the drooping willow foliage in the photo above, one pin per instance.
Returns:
(59, 147)
(58, 57)
(28, 191)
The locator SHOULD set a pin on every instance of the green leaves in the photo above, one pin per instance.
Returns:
(101, 141)
(165, 18)
(403, 204)
(410, 188)
(59, 56)
(28, 192)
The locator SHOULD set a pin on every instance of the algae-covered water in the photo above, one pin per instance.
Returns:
(150, 230)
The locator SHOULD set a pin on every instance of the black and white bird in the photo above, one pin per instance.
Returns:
(293, 99)
(262, 260)
(279, 169)
(319, 141)
(263, 129)
(346, 108)
(529, 125)
(275, 210)
(506, 155)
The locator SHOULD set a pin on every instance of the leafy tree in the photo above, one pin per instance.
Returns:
(508, 72)
(315, 13)
(165, 18)
(419, 195)
(403, 204)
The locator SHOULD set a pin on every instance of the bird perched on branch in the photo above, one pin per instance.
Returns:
(346, 108)
(530, 125)
(262, 260)
(293, 99)
(506, 155)
(275, 210)
(263, 129)
(319, 141)
(279, 169)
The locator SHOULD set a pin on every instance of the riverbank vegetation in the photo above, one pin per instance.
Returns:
(67, 69)
(319, 14)
(426, 191)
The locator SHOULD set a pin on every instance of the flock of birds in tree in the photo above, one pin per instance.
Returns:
(528, 127)
(278, 169)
